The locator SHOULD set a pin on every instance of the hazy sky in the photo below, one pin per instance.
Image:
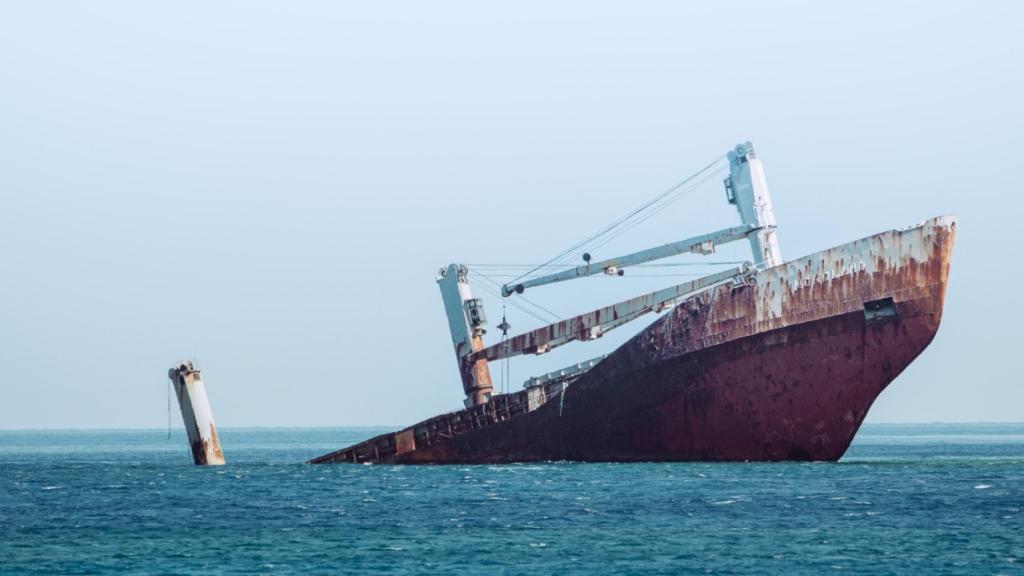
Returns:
(271, 187)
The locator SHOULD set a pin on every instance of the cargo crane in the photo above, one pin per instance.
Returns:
(745, 187)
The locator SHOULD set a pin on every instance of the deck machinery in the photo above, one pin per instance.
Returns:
(745, 187)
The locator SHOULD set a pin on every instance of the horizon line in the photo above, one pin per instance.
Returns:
(387, 426)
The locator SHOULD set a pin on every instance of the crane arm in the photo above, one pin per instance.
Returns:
(594, 324)
(703, 244)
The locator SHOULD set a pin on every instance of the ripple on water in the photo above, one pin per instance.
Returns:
(269, 514)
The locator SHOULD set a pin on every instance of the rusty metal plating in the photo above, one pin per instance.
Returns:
(780, 366)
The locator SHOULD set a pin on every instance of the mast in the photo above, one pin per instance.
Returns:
(747, 188)
(466, 320)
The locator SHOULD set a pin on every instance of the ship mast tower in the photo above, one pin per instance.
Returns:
(466, 321)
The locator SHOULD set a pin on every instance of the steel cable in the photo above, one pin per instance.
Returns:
(618, 222)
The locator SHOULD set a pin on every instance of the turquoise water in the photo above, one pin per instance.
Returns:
(906, 499)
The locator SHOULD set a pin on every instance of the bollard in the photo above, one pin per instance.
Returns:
(196, 414)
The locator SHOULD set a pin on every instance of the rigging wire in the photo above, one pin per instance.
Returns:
(687, 275)
(514, 269)
(497, 285)
(657, 210)
(671, 195)
(618, 222)
(606, 276)
(504, 267)
(512, 302)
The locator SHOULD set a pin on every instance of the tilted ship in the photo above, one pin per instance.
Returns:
(772, 360)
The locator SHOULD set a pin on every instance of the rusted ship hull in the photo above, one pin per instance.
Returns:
(782, 367)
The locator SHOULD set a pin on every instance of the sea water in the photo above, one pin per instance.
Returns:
(906, 499)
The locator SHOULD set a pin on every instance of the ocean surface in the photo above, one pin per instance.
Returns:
(906, 499)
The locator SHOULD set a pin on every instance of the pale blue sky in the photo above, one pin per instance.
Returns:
(270, 187)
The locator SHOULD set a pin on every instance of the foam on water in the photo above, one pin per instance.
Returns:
(906, 500)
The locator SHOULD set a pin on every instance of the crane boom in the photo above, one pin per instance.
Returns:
(703, 244)
(594, 324)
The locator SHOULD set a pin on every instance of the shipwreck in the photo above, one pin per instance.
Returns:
(769, 360)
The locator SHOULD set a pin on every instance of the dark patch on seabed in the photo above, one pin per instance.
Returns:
(906, 499)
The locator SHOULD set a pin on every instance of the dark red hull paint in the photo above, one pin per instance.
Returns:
(767, 397)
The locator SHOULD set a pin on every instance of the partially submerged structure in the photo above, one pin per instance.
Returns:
(195, 413)
(770, 360)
